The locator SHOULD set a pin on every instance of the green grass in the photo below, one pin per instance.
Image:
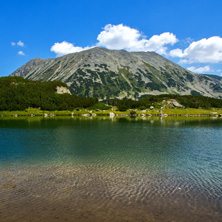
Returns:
(187, 111)
(191, 111)
(81, 111)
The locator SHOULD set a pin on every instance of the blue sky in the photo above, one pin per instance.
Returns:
(186, 32)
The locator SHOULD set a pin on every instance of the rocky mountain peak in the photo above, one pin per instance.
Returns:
(103, 73)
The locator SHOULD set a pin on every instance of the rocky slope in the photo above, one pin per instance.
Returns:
(104, 73)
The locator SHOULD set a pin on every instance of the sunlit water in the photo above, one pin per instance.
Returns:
(77, 169)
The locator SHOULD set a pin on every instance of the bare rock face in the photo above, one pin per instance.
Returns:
(174, 103)
(62, 90)
(104, 73)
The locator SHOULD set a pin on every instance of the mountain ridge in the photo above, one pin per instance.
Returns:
(104, 73)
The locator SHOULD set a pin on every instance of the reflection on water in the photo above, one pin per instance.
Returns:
(75, 169)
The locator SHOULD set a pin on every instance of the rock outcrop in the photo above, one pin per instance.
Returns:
(62, 90)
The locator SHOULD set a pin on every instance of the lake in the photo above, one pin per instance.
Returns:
(121, 169)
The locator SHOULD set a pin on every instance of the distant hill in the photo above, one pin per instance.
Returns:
(104, 74)
(167, 101)
(17, 93)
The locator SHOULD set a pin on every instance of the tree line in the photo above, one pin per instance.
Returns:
(17, 93)
(188, 101)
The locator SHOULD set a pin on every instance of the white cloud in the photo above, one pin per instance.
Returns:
(202, 51)
(183, 61)
(176, 53)
(21, 53)
(121, 37)
(118, 37)
(124, 37)
(157, 42)
(203, 69)
(20, 43)
(64, 48)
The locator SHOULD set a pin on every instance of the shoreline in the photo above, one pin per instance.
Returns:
(113, 114)
(117, 115)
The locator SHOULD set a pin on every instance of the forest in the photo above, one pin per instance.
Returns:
(17, 93)
(188, 101)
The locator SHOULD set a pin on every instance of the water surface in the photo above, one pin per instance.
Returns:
(76, 169)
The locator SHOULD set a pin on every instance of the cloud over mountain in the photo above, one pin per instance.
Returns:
(203, 69)
(64, 48)
(206, 50)
(202, 51)
(122, 37)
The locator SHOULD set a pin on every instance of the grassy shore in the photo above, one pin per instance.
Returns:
(87, 112)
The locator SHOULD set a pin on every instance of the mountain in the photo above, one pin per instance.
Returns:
(103, 73)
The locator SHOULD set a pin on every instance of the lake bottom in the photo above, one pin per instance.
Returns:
(88, 192)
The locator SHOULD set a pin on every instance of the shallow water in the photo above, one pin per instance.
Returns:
(77, 169)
